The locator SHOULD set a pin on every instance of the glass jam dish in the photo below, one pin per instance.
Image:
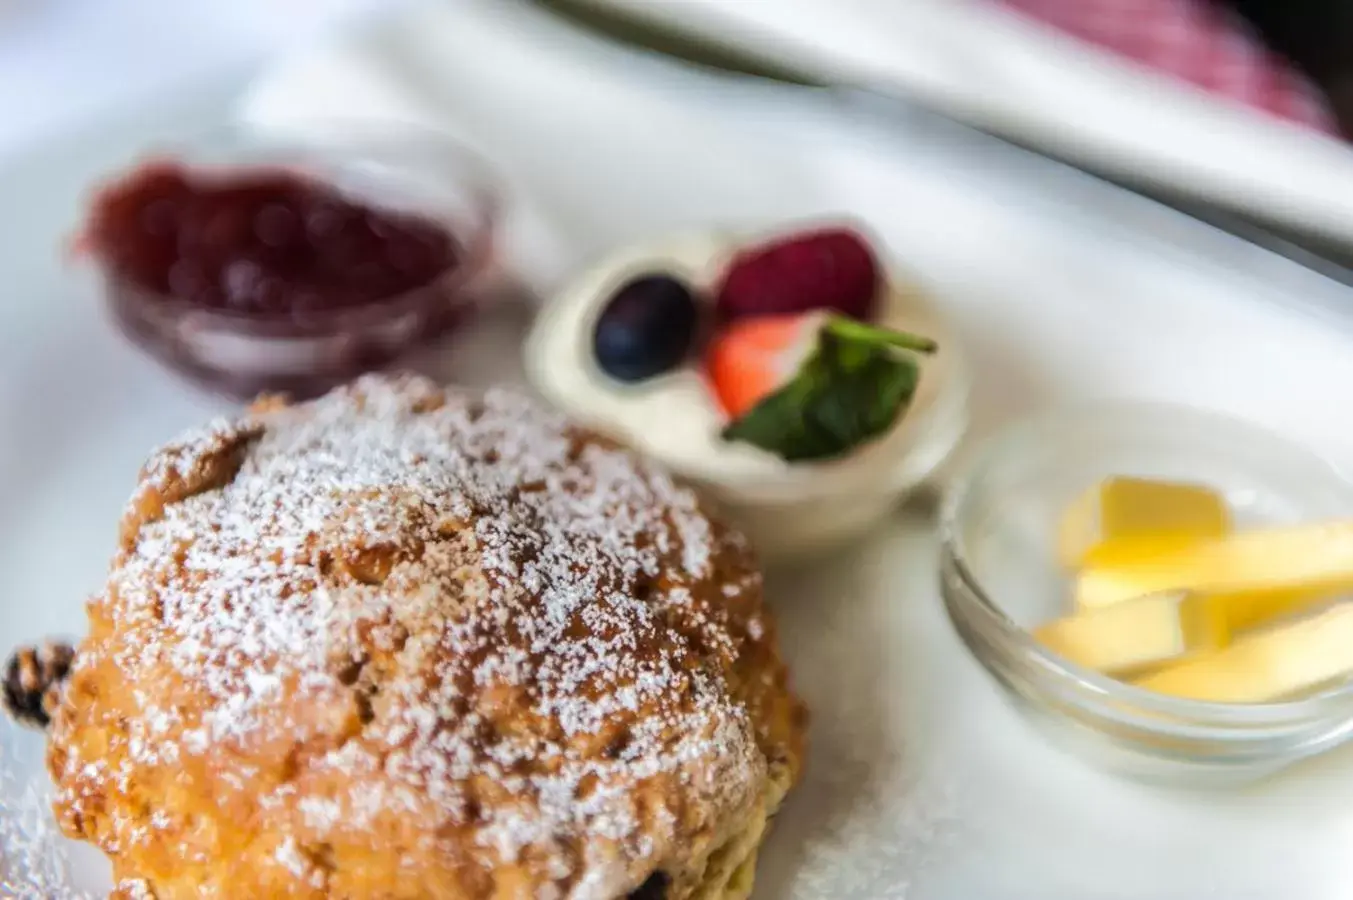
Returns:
(1000, 577)
(251, 265)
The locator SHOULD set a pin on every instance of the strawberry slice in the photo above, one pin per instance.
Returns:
(751, 359)
(812, 386)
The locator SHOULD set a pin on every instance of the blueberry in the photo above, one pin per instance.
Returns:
(646, 329)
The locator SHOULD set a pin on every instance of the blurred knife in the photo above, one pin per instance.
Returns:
(1333, 260)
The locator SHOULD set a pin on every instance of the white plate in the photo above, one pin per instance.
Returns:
(923, 783)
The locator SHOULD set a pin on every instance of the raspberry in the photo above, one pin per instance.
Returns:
(831, 269)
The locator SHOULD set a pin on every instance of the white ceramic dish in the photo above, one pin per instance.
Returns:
(923, 783)
(788, 511)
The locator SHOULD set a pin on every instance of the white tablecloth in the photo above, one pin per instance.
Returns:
(66, 61)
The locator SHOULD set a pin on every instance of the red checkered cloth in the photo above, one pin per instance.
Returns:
(1195, 42)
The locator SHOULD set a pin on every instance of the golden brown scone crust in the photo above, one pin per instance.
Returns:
(403, 642)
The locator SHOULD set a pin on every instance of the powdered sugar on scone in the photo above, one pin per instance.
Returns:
(449, 630)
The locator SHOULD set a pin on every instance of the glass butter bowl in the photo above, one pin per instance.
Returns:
(1000, 578)
(254, 265)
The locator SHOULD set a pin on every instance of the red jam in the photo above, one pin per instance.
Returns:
(264, 243)
(261, 280)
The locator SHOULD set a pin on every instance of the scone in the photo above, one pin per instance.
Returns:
(404, 642)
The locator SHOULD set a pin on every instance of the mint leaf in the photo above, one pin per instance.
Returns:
(851, 389)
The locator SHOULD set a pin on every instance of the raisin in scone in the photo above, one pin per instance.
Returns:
(405, 642)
